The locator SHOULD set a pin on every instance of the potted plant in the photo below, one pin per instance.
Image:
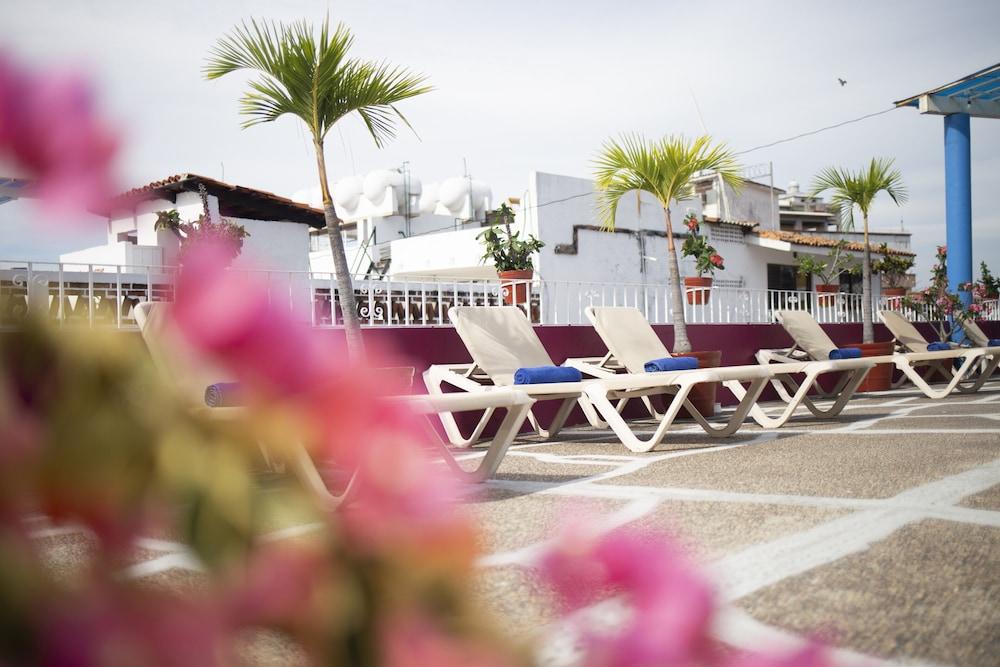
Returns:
(511, 256)
(893, 269)
(827, 272)
(706, 260)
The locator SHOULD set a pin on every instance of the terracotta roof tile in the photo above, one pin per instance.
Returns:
(819, 241)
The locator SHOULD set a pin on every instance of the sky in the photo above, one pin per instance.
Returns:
(522, 86)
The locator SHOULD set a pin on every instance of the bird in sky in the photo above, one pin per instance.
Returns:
(842, 82)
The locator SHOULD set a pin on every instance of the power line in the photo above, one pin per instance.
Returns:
(812, 132)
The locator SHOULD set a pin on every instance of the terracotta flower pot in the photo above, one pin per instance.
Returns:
(880, 377)
(698, 289)
(514, 286)
(829, 294)
(703, 395)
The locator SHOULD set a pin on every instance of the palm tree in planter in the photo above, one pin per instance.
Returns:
(664, 168)
(511, 255)
(859, 189)
(311, 77)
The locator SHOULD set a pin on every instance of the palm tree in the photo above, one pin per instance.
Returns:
(664, 169)
(313, 79)
(859, 189)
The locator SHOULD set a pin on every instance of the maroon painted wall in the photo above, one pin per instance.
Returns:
(422, 346)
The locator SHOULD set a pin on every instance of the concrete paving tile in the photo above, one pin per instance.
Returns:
(522, 605)
(711, 530)
(939, 422)
(841, 465)
(987, 500)
(508, 521)
(529, 468)
(929, 592)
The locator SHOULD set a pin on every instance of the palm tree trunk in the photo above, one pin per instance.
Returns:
(681, 342)
(867, 328)
(345, 288)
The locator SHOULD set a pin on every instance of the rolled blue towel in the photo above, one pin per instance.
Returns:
(224, 395)
(938, 346)
(547, 375)
(993, 342)
(845, 353)
(671, 364)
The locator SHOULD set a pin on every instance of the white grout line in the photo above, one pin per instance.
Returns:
(174, 561)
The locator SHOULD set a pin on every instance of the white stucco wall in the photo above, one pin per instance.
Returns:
(280, 246)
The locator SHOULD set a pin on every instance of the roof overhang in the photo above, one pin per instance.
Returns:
(977, 95)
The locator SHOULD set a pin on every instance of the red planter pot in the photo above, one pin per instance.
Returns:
(698, 290)
(703, 395)
(880, 377)
(828, 294)
(515, 287)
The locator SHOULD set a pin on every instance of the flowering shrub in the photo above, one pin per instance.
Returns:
(943, 308)
(838, 261)
(224, 234)
(990, 284)
(706, 259)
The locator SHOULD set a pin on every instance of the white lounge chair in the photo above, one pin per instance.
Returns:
(909, 340)
(812, 343)
(192, 376)
(501, 340)
(977, 336)
(631, 342)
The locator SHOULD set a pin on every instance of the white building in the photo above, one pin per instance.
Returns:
(745, 227)
(393, 225)
(278, 227)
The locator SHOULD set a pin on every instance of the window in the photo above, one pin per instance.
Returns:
(850, 283)
(786, 277)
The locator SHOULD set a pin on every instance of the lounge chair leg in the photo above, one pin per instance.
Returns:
(449, 422)
(921, 383)
(748, 401)
(305, 469)
(598, 397)
(557, 421)
(497, 449)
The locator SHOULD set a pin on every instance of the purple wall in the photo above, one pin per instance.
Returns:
(422, 346)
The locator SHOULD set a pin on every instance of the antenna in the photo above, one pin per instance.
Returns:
(223, 165)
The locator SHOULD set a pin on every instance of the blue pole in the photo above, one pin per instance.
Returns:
(958, 202)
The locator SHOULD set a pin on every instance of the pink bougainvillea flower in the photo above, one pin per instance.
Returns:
(812, 655)
(671, 603)
(413, 641)
(229, 317)
(103, 625)
(50, 130)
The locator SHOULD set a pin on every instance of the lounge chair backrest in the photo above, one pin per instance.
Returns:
(628, 335)
(975, 334)
(905, 333)
(500, 340)
(807, 333)
(175, 359)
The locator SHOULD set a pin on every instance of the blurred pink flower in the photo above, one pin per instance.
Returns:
(413, 641)
(716, 260)
(813, 655)
(50, 130)
(400, 492)
(103, 625)
(672, 604)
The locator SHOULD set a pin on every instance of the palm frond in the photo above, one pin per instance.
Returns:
(311, 76)
(849, 189)
(664, 168)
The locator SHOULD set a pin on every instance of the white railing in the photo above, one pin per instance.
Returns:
(104, 295)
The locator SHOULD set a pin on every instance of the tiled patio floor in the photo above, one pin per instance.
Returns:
(879, 531)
